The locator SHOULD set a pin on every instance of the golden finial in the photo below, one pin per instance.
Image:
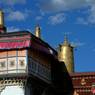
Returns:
(37, 31)
(1, 18)
(65, 54)
(65, 38)
(66, 42)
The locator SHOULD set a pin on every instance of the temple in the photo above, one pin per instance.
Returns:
(30, 66)
(83, 82)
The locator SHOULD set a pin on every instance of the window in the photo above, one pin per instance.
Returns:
(34, 66)
(21, 62)
(12, 63)
(2, 64)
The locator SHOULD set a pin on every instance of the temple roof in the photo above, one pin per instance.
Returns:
(24, 39)
(80, 74)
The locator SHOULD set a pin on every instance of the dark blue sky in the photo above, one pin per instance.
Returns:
(76, 18)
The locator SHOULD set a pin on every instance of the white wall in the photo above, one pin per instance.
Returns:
(12, 90)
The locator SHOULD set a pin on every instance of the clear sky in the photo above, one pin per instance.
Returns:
(76, 18)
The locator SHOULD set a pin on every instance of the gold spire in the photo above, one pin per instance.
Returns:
(65, 54)
(1, 18)
(38, 31)
(2, 27)
(66, 42)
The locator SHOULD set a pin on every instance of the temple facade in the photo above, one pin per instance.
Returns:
(83, 83)
(24, 62)
(30, 66)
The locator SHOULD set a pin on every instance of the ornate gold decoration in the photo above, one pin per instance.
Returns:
(37, 31)
(65, 54)
(83, 81)
(1, 18)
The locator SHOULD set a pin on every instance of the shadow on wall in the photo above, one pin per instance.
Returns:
(61, 81)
